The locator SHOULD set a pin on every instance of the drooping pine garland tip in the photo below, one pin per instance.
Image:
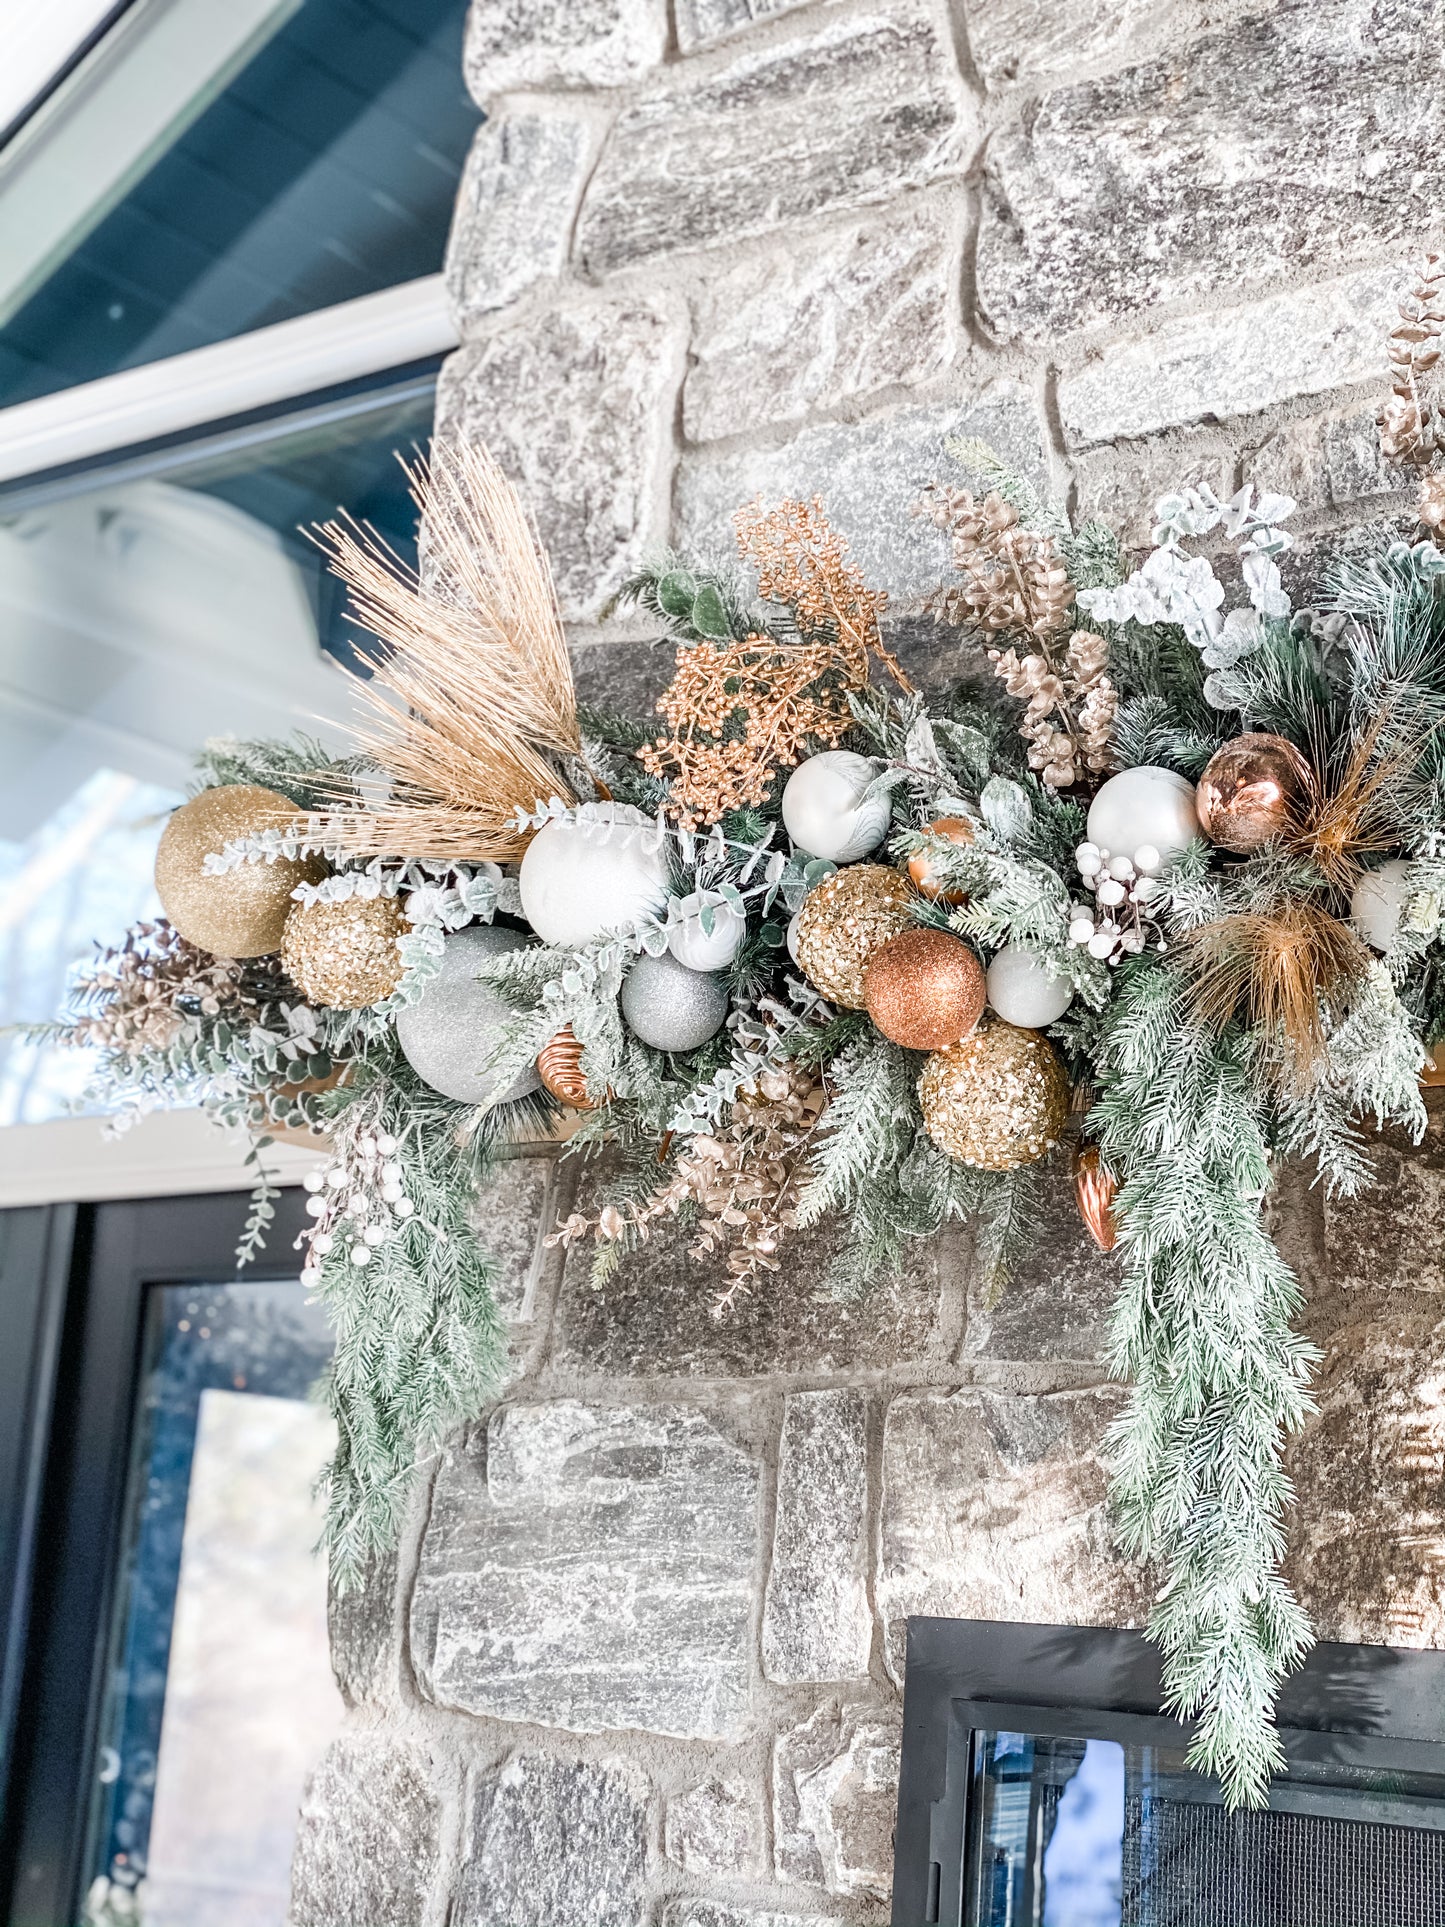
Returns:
(1159, 876)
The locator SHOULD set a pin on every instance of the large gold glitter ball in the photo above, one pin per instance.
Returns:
(1252, 790)
(344, 954)
(925, 989)
(998, 1099)
(242, 912)
(844, 920)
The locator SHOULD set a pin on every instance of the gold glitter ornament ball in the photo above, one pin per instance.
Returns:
(925, 989)
(849, 916)
(344, 954)
(996, 1100)
(242, 912)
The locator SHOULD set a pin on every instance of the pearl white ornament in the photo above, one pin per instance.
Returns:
(386, 1144)
(360, 1255)
(1145, 811)
(316, 1207)
(449, 1035)
(671, 1007)
(1023, 991)
(690, 943)
(403, 1207)
(310, 1277)
(1102, 942)
(1081, 929)
(579, 880)
(391, 1174)
(374, 1235)
(1111, 891)
(390, 1193)
(322, 1243)
(824, 811)
(793, 937)
(1378, 900)
(1147, 860)
(336, 1177)
(313, 1181)
(1121, 869)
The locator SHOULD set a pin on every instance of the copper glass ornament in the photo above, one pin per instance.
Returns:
(1253, 790)
(925, 989)
(559, 1065)
(957, 829)
(1095, 1189)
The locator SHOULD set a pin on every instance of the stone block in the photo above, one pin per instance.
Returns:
(835, 1797)
(554, 1840)
(1054, 1303)
(715, 1828)
(513, 44)
(1388, 1239)
(869, 475)
(702, 22)
(829, 321)
(1119, 486)
(1234, 361)
(513, 218)
(817, 1624)
(361, 1625)
(1033, 40)
(368, 1841)
(850, 112)
(1355, 469)
(995, 1507)
(654, 1315)
(513, 1212)
(1292, 462)
(1295, 141)
(715, 1913)
(573, 405)
(1367, 1532)
(591, 1568)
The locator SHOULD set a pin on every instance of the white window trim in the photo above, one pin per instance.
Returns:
(405, 323)
(168, 1154)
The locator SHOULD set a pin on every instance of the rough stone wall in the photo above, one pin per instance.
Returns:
(637, 1663)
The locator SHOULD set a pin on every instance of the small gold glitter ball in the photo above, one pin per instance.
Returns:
(996, 1100)
(242, 912)
(844, 920)
(344, 954)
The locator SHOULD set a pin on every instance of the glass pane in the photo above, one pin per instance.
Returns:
(326, 167)
(221, 1696)
(1076, 1832)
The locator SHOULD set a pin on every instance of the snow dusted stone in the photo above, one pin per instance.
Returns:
(361, 1624)
(514, 209)
(368, 1842)
(715, 1913)
(817, 1624)
(1276, 146)
(573, 405)
(512, 1214)
(1016, 40)
(561, 43)
(701, 22)
(1234, 361)
(715, 1828)
(1120, 486)
(848, 112)
(995, 1507)
(830, 320)
(835, 1798)
(591, 1568)
(869, 475)
(561, 1841)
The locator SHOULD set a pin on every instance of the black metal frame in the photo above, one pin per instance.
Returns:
(73, 1284)
(1356, 1705)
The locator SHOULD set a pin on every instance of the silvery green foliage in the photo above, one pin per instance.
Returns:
(763, 1036)
(1174, 587)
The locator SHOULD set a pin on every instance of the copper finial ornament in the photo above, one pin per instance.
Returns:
(957, 829)
(559, 1065)
(1252, 790)
(1095, 1189)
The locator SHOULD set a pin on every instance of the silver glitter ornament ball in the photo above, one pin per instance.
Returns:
(671, 1007)
(451, 1033)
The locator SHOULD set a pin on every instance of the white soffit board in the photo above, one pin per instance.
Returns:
(353, 339)
(130, 99)
(40, 37)
(168, 1154)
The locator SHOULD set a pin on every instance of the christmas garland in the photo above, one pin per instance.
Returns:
(1168, 884)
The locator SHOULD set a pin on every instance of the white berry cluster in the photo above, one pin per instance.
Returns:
(1113, 925)
(359, 1200)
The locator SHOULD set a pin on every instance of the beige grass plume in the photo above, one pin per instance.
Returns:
(473, 700)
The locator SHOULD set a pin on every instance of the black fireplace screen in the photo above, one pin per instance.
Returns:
(1078, 1810)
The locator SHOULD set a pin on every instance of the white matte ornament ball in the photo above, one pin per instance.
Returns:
(1023, 991)
(1378, 900)
(579, 880)
(693, 947)
(670, 1007)
(1144, 812)
(824, 809)
(450, 1034)
(793, 937)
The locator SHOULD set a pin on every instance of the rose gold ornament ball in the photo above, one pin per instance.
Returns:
(1252, 790)
(844, 919)
(998, 1099)
(957, 829)
(925, 989)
